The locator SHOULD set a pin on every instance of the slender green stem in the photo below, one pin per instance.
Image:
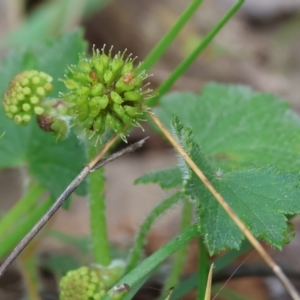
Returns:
(180, 257)
(185, 64)
(165, 42)
(145, 268)
(10, 241)
(203, 269)
(98, 226)
(23, 206)
(137, 249)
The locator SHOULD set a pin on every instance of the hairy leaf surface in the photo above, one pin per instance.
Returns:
(262, 198)
(237, 127)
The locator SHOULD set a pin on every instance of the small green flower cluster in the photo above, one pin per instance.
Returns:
(24, 95)
(105, 91)
(82, 284)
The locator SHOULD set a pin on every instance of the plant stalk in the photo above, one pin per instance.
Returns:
(168, 38)
(203, 268)
(181, 254)
(98, 225)
(185, 64)
(140, 240)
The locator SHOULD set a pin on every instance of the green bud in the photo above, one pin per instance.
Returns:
(85, 65)
(18, 119)
(127, 68)
(97, 89)
(122, 87)
(97, 103)
(116, 97)
(117, 64)
(131, 111)
(34, 100)
(36, 80)
(20, 97)
(118, 109)
(99, 125)
(38, 110)
(108, 77)
(104, 60)
(14, 109)
(25, 92)
(40, 91)
(26, 118)
(70, 84)
(24, 82)
(94, 105)
(26, 107)
(83, 90)
(114, 123)
(99, 67)
(127, 120)
(133, 96)
(81, 77)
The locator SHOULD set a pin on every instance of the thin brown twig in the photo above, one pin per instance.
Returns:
(102, 152)
(91, 167)
(266, 257)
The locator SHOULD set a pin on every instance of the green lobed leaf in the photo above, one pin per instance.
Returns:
(237, 127)
(53, 163)
(166, 179)
(262, 198)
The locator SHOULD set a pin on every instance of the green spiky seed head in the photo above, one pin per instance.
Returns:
(105, 91)
(23, 97)
(82, 284)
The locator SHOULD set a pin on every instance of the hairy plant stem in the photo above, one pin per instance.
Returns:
(140, 240)
(185, 64)
(167, 39)
(181, 254)
(20, 209)
(97, 206)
